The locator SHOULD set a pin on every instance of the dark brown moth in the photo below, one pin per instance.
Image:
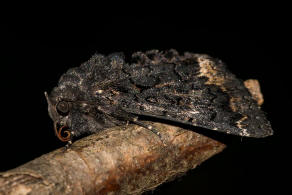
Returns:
(192, 89)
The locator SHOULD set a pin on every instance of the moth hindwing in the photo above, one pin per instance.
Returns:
(191, 89)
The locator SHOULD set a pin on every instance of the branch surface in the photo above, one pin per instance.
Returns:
(115, 161)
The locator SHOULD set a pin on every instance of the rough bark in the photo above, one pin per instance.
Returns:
(115, 161)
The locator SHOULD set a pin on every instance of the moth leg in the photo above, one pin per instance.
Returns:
(69, 143)
(128, 117)
(149, 127)
(127, 124)
(67, 146)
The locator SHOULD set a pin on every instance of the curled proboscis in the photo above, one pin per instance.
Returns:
(62, 131)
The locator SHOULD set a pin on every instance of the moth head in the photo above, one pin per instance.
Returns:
(73, 114)
(59, 111)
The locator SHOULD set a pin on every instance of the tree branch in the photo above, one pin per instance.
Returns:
(116, 161)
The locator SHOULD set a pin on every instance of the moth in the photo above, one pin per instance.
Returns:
(193, 89)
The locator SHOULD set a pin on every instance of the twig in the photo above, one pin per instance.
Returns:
(115, 161)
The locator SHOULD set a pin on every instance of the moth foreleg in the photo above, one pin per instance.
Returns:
(67, 146)
(146, 126)
(69, 143)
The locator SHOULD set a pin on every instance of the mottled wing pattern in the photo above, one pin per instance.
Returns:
(191, 89)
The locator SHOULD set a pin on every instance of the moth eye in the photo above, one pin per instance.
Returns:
(62, 108)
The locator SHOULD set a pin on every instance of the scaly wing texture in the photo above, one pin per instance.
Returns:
(192, 89)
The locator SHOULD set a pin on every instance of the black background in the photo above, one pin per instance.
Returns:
(34, 56)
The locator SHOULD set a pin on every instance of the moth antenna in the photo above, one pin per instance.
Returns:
(48, 99)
